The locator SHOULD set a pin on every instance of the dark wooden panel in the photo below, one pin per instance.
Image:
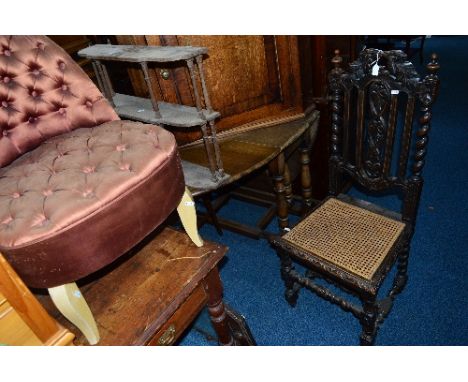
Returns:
(236, 71)
(315, 54)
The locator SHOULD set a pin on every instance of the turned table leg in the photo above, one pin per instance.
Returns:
(276, 168)
(288, 194)
(214, 291)
(305, 178)
(211, 212)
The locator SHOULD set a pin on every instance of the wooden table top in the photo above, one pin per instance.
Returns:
(142, 290)
(244, 152)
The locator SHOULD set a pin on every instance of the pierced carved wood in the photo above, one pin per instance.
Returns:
(376, 122)
(379, 101)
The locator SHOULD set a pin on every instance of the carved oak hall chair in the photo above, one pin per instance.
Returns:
(380, 118)
(78, 186)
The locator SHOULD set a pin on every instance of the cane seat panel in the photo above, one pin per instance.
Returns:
(353, 238)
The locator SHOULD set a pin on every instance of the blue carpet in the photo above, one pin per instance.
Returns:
(433, 309)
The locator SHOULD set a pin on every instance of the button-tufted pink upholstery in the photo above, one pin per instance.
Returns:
(43, 93)
(83, 197)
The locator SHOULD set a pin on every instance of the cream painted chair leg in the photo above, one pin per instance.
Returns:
(188, 216)
(71, 303)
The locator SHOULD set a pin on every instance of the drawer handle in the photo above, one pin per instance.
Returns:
(164, 74)
(168, 336)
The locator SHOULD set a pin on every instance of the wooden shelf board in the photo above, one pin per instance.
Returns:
(138, 53)
(141, 109)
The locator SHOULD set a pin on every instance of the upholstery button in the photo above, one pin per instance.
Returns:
(47, 192)
(62, 110)
(87, 193)
(5, 133)
(64, 88)
(40, 45)
(16, 195)
(7, 52)
(89, 104)
(121, 147)
(41, 220)
(62, 65)
(124, 166)
(32, 119)
(4, 104)
(88, 169)
(7, 220)
(34, 93)
(6, 79)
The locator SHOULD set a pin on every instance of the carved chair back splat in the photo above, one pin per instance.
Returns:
(381, 115)
(381, 155)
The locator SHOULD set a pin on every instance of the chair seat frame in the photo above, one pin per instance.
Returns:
(365, 290)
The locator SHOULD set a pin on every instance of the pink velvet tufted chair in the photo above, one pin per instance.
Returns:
(78, 186)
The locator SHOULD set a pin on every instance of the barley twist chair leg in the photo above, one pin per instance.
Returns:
(292, 287)
(401, 277)
(71, 303)
(369, 323)
(188, 216)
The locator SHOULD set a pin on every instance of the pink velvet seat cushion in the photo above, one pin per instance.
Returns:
(82, 199)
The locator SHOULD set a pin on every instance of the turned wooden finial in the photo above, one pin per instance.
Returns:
(433, 66)
(337, 59)
(432, 79)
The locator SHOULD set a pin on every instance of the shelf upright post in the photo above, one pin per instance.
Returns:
(207, 138)
(214, 141)
(98, 76)
(212, 133)
(203, 83)
(195, 88)
(104, 81)
(154, 102)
